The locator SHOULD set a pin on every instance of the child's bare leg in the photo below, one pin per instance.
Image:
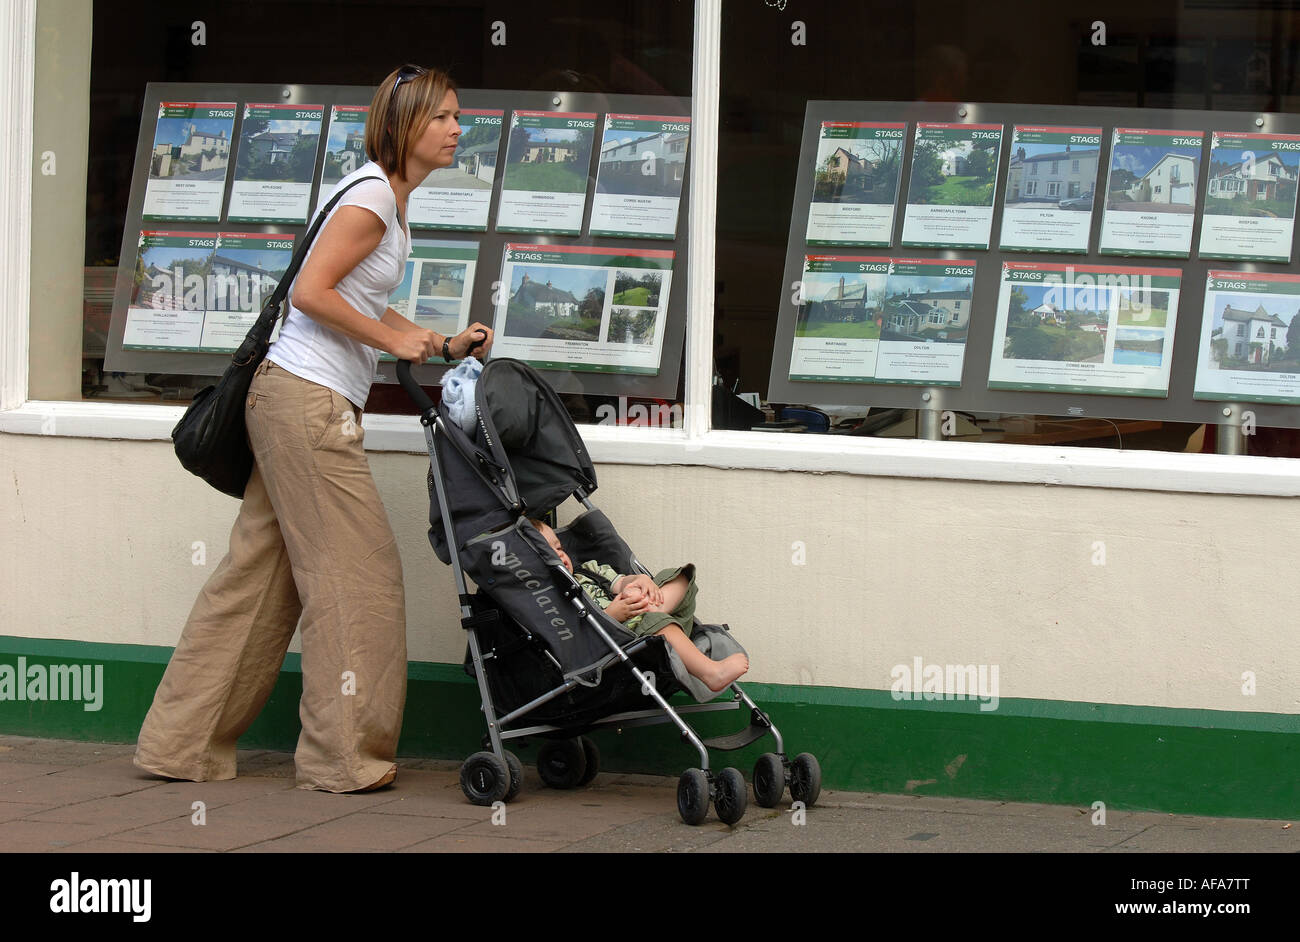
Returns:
(674, 591)
(717, 675)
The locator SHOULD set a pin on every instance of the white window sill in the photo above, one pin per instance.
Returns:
(969, 461)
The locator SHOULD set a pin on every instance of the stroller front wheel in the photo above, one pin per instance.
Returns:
(485, 778)
(732, 797)
(805, 779)
(693, 796)
(769, 780)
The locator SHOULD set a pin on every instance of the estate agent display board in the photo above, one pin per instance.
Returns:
(562, 223)
(1030, 259)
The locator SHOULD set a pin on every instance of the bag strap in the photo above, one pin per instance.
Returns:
(300, 254)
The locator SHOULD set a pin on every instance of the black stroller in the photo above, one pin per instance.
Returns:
(549, 663)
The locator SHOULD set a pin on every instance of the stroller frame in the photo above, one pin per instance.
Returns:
(697, 786)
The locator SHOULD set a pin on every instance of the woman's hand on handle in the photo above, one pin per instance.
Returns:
(475, 339)
(415, 345)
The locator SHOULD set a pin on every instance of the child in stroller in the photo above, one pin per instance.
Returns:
(651, 606)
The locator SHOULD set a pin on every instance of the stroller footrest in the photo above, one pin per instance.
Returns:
(739, 740)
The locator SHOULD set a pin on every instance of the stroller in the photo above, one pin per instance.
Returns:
(549, 663)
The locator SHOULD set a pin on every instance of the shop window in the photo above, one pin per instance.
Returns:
(1218, 64)
(599, 54)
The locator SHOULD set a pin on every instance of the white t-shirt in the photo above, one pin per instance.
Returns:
(308, 348)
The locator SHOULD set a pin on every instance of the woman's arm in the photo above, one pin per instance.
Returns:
(350, 235)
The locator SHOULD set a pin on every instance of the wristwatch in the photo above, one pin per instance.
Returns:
(446, 348)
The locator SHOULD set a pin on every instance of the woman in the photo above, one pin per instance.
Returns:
(312, 537)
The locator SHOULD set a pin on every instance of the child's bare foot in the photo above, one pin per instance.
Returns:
(724, 672)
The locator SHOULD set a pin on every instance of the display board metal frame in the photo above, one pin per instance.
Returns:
(491, 243)
(974, 396)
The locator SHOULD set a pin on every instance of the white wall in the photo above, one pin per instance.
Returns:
(97, 539)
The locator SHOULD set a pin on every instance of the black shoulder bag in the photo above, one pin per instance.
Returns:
(211, 438)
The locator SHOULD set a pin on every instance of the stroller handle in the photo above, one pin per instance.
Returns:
(421, 398)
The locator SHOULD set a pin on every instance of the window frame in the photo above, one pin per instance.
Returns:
(695, 444)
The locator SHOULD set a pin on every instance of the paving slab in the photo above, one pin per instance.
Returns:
(64, 796)
(459, 843)
(360, 832)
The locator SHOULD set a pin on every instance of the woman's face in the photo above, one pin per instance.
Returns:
(436, 147)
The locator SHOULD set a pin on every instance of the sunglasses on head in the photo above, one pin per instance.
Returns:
(407, 73)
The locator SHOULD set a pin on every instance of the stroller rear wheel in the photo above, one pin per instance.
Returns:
(485, 778)
(562, 763)
(593, 760)
(516, 777)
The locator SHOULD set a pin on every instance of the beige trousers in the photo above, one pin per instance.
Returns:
(311, 539)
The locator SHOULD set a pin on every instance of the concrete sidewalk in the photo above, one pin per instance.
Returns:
(58, 795)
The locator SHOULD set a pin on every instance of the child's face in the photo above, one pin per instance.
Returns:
(554, 542)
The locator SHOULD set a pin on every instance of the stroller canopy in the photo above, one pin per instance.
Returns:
(523, 450)
(523, 421)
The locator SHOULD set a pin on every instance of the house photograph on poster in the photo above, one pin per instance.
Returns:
(1039, 328)
(1152, 179)
(345, 150)
(560, 303)
(1250, 183)
(548, 160)
(1256, 332)
(1052, 175)
(634, 163)
(851, 170)
(196, 149)
(845, 306)
(278, 150)
(953, 173)
(919, 309)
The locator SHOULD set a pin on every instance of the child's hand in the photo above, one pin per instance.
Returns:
(633, 592)
(622, 608)
(647, 586)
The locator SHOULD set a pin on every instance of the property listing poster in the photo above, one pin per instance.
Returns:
(169, 297)
(1250, 338)
(545, 184)
(855, 183)
(1085, 329)
(924, 321)
(435, 291)
(954, 176)
(1051, 180)
(1151, 192)
(583, 307)
(639, 180)
(840, 308)
(345, 148)
(242, 276)
(458, 197)
(1250, 197)
(275, 163)
(187, 166)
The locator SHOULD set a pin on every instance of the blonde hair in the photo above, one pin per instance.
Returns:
(396, 121)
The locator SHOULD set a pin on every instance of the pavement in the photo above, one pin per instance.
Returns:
(66, 796)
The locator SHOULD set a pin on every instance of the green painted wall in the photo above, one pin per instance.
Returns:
(1132, 758)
